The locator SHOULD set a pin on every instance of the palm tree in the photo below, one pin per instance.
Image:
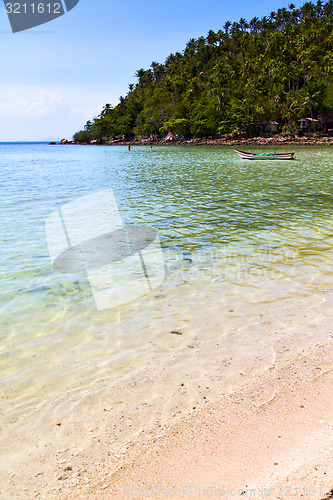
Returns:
(226, 27)
(243, 24)
(254, 24)
(319, 8)
(140, 74)
(106, 110)
(87, 126)
(272, 18)
(280, 68)
(211, 38)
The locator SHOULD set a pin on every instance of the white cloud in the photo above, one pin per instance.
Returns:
(44, 104)
(30, 113)
(47, 104)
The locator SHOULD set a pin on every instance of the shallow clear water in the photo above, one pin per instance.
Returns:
(236, 234)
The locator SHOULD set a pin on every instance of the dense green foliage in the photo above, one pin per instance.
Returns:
(278, 68)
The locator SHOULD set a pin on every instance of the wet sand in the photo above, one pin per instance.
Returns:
(241, 447)
(178, 426)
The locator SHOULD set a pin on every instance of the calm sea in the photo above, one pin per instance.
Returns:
(237, 237)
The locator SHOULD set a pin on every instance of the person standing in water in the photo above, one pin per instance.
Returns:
(129, 147)
(151, 147)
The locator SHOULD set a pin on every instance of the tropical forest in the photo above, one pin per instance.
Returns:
(277, 69)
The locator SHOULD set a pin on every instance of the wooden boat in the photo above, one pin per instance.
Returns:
(265, 156)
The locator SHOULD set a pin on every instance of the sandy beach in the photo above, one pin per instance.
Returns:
(190, 385)
(271, 433)
(243, 446)
(166, 304)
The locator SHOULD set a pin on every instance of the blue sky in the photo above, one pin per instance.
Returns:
(57, 76)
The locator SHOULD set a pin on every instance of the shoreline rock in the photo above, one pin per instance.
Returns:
(175, 140)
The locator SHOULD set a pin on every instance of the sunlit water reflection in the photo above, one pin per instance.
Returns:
(236, 235)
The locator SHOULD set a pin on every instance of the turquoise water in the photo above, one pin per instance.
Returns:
(233, 232)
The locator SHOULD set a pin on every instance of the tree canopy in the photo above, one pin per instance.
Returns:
(277, 68)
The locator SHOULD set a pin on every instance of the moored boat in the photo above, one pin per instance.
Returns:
(265, 156)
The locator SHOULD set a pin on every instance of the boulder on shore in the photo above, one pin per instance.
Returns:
(173, 137)
(169, 137)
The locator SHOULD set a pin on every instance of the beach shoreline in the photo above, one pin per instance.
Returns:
(275, 140)
(244, 447)
(247, 298)
(100, 440)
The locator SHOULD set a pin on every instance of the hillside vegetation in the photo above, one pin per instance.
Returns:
(277, 68)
